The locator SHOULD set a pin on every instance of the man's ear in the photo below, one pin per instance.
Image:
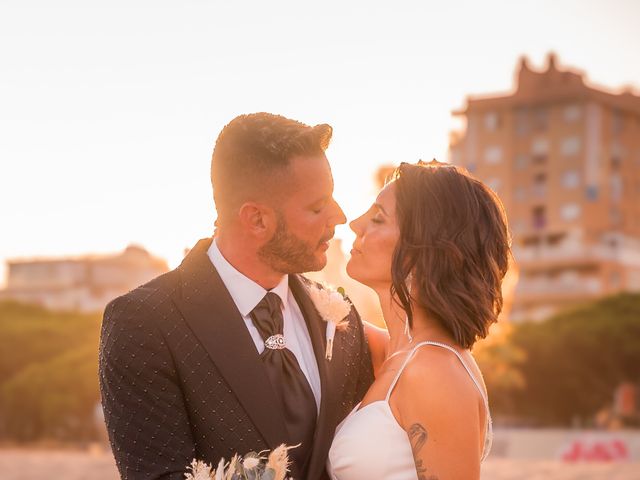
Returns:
(258, 219)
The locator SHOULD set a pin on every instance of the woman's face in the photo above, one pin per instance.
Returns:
(377, 235)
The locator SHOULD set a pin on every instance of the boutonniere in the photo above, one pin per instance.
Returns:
(333, 307)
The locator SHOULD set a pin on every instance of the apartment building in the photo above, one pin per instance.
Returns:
(564, 157)
(85, 283)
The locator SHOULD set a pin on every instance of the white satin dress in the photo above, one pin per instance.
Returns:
(370, 444)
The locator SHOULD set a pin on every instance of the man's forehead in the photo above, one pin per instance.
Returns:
(310, 171)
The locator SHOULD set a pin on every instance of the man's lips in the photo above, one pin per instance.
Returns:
(324, 245)
(326, 239)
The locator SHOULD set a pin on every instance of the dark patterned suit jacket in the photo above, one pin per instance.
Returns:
(181, 378)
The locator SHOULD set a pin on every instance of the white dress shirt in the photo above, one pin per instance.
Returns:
(246, 294)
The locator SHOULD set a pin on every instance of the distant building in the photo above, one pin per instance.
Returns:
(564, 157)
(85, 283)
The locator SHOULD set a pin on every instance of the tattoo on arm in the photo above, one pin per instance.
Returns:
(418, 437)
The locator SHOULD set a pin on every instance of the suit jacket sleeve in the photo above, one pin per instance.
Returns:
(143, 406)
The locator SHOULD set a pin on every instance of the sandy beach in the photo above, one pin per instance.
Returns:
(16, 464)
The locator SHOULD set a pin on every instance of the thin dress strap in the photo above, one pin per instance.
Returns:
(489, 424)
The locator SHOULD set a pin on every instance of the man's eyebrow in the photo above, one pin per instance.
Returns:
(324, 198)
(381, 208)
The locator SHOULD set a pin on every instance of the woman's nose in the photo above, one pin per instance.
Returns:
(355, 225)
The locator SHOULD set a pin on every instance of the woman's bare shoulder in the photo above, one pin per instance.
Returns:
(433, 379)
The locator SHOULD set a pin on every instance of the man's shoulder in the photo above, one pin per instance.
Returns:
(154, 295)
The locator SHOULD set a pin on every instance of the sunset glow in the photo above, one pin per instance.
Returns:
(109, 113)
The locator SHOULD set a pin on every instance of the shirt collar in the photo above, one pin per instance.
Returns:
(246, 293)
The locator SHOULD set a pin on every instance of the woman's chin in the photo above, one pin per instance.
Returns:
(354, 272)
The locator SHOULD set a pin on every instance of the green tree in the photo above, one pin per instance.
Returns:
(575, 360)
(48, 373)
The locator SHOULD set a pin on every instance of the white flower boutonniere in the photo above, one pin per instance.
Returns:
(333, 307)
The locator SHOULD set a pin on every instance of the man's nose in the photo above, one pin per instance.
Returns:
(338, 216)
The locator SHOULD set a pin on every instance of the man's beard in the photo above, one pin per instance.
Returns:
(286, 253)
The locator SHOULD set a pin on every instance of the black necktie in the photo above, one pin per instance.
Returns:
(288, 381)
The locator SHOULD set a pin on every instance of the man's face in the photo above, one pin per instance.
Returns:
(307, 216)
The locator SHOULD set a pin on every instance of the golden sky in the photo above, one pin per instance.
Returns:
(109, 110)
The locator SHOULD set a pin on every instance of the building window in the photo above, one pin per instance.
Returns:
(491, 121)
(570, 211)
(570, 146)
(539, 217)
(615, 163)
(572, 113)
(539, 159)
(540, 146)
(617, 153)
(570, 179)
(493, 154)
(591, 193)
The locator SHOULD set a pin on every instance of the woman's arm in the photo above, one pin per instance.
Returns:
(439, 408)
(378, 339)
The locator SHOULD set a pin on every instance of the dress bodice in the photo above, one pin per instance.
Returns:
(370, 443)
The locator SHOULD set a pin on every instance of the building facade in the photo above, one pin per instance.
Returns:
(82, 284)
(564, 157)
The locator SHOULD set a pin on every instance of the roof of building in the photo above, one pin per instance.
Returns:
(552, 85)
(132, 253)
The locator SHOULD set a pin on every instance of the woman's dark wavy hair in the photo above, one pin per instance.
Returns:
(455, 243)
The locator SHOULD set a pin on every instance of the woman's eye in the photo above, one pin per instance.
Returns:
(377, 219)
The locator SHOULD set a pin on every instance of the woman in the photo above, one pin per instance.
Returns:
(435, 248)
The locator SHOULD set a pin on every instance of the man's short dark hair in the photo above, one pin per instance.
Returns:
(253, 149)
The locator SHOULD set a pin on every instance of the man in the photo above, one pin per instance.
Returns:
(226, 353)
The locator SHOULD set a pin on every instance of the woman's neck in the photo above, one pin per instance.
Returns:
(424, 327)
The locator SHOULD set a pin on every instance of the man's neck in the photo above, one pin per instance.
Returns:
(246, 260)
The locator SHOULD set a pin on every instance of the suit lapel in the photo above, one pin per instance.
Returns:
(215, 320)
(325, 425)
